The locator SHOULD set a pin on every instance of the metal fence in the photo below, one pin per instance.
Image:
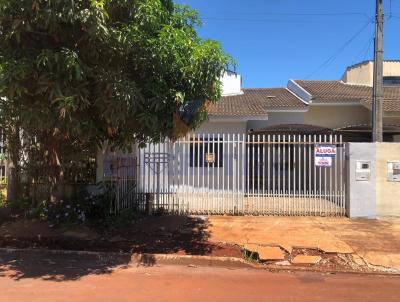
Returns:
(242, 174)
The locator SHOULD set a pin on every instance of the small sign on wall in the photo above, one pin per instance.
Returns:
(210, 158)
(393, 168)
(324, 154)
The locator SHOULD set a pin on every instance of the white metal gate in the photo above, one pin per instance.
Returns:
(244, 174)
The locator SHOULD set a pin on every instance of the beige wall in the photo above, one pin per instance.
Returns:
(336, 116)
(363, 73)
(223, 127)
(359, 74)
(277, 118)
(388, 193)
(391, 120)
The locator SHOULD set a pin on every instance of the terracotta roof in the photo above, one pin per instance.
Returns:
(325, 92)
(256, 102)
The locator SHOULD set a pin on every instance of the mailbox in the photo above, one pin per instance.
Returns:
(363, 170)
(394, 171)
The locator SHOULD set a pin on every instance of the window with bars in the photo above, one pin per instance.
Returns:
(206, 152)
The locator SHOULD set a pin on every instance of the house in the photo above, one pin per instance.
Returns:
(263, 151)
(344, 105)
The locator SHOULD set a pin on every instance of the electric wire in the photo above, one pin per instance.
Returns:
(332, 58)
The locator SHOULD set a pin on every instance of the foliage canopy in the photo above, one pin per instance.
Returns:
(104, 70)
(79, 73)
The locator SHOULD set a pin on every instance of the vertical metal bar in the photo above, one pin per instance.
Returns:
(284, 163)
(178, 172)
(325, 184)
(244, 175)
(310, 174)
(253, 171)
(258, 175)
(218, 158)
(342, 169)
(229, 199)
(171, 153)
(184, 203)
(300, 210)
(305, 196)
(224, 162)
(191, 200)
(150, 169)
(166, 175)
(237, 169)
(289, 175)
(248, 172)
(183, 167)
(159, 194)
(331, 198)
(340, 172)
(320, 181)
(264, 203)
(233, 175)
(234, 168)
(335, 176)
(279, 173)
(196, 164)
(243, 142)
(316, 178)
(273, 175)
(203, 164)
(213, 174)
(208, 175)
(295, 165)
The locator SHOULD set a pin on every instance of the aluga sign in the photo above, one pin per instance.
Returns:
(324, 155)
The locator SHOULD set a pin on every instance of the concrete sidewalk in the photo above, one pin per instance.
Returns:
(375, 242)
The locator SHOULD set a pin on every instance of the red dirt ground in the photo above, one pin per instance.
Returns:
(183, 235)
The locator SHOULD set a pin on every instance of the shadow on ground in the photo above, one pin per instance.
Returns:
(182, 235)
(57, 267)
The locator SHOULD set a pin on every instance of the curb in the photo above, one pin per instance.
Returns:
(145, 259)
(148, 260)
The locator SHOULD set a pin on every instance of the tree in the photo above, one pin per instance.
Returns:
(85, 72)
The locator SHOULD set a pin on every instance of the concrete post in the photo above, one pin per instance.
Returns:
(361, 189)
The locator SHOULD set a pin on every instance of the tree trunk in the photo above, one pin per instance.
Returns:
(56, 174)
(14, 164)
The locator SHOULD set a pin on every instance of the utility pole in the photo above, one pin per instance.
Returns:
(377, 111)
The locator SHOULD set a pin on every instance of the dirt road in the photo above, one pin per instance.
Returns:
(71, 278)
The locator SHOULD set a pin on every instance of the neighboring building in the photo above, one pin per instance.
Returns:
(343, 106)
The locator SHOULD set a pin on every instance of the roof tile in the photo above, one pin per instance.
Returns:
(325, 92)
(256, 102)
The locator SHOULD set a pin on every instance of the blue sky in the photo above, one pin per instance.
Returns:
(276, 40)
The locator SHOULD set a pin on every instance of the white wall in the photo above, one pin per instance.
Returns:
(231, 83)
